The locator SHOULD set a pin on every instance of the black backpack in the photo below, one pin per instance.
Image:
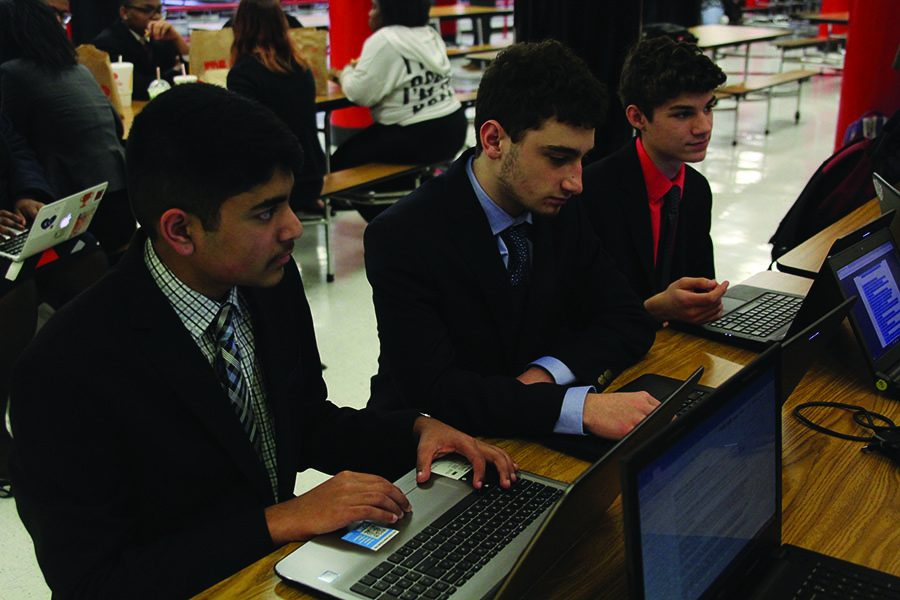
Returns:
(842, 183)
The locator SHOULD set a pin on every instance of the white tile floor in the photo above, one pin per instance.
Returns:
(753, 185)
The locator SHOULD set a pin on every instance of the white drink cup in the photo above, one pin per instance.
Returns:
(123, 73)
(182, 79)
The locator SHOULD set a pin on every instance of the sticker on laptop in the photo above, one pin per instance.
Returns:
(369, 535)
(453, 466)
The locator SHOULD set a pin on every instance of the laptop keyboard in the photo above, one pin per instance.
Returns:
(457, 544)
(14, 244)
(769, 313)
(827, 582)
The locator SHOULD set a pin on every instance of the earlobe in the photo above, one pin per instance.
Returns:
(175, 226)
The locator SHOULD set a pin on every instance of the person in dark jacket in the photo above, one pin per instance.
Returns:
(650, 210)
(267, 67)
(57, 106)
(141, 36)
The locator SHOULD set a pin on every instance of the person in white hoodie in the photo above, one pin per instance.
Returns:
(403, 76)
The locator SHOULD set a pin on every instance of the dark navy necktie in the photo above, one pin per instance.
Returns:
(516, 240)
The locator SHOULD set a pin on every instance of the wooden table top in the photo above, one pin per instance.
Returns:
(807, 258)
(332, 99)
(833, 18)
(463, 11)
(837, 499)
(720, 36)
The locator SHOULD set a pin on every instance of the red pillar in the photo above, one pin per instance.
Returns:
(348, 28)
(829, 6)
(869, 79)
(448, 26)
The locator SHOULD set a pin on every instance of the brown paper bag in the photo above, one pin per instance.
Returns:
(210, 50)
(313, 46)
(97, 62)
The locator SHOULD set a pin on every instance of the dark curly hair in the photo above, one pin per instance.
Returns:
(529, 83)
(660, 69)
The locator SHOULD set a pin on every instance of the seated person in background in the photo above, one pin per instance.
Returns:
(480, 321)
(57, 106)
(23, 191)
(267, 67)
(175, 446)
(403, 76)
(650, 210)
(141, 36)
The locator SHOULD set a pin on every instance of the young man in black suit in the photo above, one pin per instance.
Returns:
(159, 419)
(496, 329)
(141, 36)
(650, 210)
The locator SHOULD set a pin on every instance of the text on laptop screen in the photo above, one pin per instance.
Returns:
(873, 277)
(707, 496)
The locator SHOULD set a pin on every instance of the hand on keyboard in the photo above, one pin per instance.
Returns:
(688, 300)
(11, 223)
(612, 416)
(437, 439)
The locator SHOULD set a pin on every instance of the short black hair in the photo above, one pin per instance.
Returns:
(529, 83)
(197, 145)
(409, 13)
(29, 29)
(659, 69)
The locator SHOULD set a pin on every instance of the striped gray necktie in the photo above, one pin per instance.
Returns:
(228, 367)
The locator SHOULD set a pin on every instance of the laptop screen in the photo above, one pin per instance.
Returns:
(702, 500)
(873, 277)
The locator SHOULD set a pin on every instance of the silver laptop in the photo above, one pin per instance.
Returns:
(55, 223)
(462, 543)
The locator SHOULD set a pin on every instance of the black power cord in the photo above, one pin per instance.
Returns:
(885, 438)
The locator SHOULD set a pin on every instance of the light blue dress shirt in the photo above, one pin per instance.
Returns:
(570, 415)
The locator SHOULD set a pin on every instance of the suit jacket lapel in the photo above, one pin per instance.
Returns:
(634, 205)
(471, 233)
(278, 362)
(543, 281)
(180, 366)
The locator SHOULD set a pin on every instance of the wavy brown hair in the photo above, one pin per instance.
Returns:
(261, 31)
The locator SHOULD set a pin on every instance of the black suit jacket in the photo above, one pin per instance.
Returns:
(116, 40)
(615, 200)
(450, 343)
(132, 473)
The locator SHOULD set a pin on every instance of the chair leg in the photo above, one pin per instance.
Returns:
(768, 108)
(797, 112)
(737, 106)
(329, 259)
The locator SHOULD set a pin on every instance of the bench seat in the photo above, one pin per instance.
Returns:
(740, 91)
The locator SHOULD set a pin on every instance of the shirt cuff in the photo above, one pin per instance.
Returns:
(558, 370)
(571, 415)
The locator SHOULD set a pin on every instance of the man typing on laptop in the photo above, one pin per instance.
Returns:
(162, 457)
(497, 309)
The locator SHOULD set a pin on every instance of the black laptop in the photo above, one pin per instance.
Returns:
(702, 506)
(870, 269)
(756, 318)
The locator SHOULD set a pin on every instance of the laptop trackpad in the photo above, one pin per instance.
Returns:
(730, 304)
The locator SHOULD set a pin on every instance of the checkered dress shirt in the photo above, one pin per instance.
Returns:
(198, 314)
